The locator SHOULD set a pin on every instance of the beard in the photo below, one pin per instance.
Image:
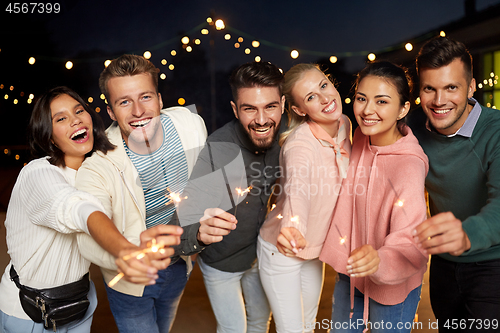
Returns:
(266, 142)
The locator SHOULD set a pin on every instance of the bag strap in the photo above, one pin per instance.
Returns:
(15, 277)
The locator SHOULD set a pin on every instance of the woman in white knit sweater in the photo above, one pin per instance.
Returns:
(45, 212)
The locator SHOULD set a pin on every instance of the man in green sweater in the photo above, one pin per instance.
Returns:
(462, 140)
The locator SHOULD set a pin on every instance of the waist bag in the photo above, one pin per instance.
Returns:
(54, 306)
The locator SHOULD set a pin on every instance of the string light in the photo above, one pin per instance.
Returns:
(189, 49)
(181, 101)
(31, 96)
(197, 41)
(173, 53)
(69, 65)
(147, 55)
(11, 88)
(31, 60)
(227, 36)
(333, 59)
(163, 62)
(219, 24)
(185, 40)
(204, 31)
(247, 51)
(372, 56)
(90, 99)
(97, 109)
(442, 34)
(257, 59)
(107, 62)
(163, 76)
(209, 19)
(348, 100)
(408, 47)
(255, 43)
(294, 54)
(237, 45)
(240, 39)
(171, 67)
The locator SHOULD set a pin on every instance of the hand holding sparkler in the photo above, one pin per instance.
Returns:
(363, 261)
(290, 241)
(214, 225)
(442, 233)
(141, 264)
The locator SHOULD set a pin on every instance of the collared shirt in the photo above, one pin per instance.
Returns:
(469, 124)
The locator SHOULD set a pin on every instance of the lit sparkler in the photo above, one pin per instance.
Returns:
(155, 247)
(241, 193)
(342, 239)
(174, 197)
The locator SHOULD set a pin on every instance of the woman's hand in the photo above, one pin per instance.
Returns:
(363, 261)
(290, 241)
(141, 264)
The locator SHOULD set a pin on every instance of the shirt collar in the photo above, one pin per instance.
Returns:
(469, 124)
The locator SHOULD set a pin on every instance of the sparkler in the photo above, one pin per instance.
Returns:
(241, 193)
(174, 197)
(155, 247)
(342, 239)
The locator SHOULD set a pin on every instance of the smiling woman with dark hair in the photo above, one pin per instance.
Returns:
(46, 212)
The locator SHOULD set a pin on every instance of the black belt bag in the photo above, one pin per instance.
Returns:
(54, 306)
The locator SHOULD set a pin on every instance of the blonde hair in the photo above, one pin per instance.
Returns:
(293, 75)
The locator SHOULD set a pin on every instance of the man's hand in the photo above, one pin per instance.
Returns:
(290, 241)
(214, 225)
(442, 233)
(363, 261)
(140, 264)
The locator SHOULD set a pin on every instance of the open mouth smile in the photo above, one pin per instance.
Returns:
(140, 123)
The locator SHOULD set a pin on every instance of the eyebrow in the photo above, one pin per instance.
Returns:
(246, 105)
(74, 107)
(376, 96)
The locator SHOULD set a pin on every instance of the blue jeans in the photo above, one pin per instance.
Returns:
(238, 299)
(155, 311)
(382, 318)
(10, 324)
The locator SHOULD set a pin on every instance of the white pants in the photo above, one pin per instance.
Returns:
(293, 287)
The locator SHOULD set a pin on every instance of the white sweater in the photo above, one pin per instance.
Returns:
(44, 214)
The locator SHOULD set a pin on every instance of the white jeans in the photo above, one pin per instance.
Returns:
(293, 287)
(238, 300)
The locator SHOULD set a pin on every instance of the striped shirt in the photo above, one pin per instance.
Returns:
(162, 173)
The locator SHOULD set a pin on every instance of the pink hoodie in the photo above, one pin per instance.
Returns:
(381, 202)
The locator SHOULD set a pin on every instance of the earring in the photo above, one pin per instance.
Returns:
(303, 115)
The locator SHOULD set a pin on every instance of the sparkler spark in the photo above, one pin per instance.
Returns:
(342, 239)
(154, 247)
(241, 193)
(174, 197)
(280, 216)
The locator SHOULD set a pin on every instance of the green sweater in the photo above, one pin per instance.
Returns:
(464, 178)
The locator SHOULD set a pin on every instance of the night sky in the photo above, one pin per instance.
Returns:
(88, 32)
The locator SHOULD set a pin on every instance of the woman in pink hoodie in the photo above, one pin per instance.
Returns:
(370, 243)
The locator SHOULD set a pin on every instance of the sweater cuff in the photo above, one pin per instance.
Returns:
(84, 210)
